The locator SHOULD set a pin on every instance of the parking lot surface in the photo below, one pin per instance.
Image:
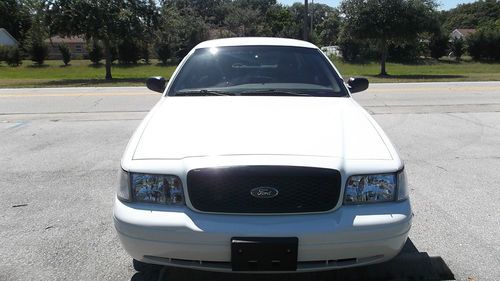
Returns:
(60, 152)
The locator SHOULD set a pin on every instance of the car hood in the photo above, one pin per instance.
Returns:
(181, 127)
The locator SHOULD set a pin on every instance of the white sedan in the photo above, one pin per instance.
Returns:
(257, 159)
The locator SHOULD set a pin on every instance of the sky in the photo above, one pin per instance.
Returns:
(444, 4)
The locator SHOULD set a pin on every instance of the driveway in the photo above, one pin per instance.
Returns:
(60, 152)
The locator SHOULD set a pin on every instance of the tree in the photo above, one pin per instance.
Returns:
(472, 15)
(95, 53)
(164, 52)
(485, 44)
(243, 19)
(107, 21)
(145, 53)
(3, 53)
(383, 22)
(128, 52)
(15, 18)
(298, 12)
(211, 11)
(34, 38)
(11, 55)
(438, 45)
(14, 57)
(457, 47)
(38, 51)
(408, 51)
(180, 29)
(65, 53)
(328, 26)
(349, 48)
(279, 21)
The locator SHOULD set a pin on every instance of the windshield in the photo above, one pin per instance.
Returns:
(257, 70)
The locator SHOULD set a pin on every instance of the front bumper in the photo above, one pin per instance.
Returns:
(350, 236)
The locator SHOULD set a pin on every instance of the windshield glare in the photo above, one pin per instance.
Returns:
(258, 70)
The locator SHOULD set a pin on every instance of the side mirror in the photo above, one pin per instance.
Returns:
(156, 84)
(357, 84)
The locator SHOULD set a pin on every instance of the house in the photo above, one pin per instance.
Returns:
(6, 39)
(461, 33)
(76, 44)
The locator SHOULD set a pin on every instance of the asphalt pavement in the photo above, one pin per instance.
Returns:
(60, 151)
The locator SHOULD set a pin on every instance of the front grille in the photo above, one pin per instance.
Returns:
(228, 189)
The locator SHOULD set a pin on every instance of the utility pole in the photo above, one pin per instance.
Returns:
(305, 25)
(312, 15)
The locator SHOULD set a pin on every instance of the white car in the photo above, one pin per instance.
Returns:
(257, 159)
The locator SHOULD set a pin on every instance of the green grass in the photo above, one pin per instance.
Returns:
(82, 73)
(426, 71)
(79, 73)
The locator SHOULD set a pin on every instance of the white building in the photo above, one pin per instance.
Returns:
(6, 39)
(461, 33)
(331, 50)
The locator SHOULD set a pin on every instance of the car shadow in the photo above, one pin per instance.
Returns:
(410, 264)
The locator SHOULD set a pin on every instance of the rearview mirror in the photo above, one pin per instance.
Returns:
(156, 84)
(357, 84)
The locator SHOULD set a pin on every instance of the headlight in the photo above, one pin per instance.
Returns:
(148, 188)
(376, 188)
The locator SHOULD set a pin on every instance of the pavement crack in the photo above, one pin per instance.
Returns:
(441, 168)
(19, 205)
(97, 102)
(472, 121)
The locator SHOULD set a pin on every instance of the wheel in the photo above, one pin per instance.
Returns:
(145, 267)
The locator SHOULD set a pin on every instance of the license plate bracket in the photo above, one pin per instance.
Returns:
(264, 253)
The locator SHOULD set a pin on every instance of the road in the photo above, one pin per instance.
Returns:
(60, 151)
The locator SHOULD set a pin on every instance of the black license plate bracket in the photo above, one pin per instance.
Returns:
(264, 253)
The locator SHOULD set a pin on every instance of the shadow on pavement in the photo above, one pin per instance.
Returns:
(83, 82)
(410, 264)
(418, 76)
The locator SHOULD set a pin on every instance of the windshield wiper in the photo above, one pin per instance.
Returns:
(203, 92)
(272, 92)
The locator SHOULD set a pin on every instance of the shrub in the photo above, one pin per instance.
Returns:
(145, 53)
(114, 53)
(355, 50)
(95, 54)
(128, 52)
(3, 53)
(457, 47)
(66, 54)
(350, 49)
(407, 52)
(38, 52)
(484, 45)
(13, 56)
(438, 45)
(164, 52)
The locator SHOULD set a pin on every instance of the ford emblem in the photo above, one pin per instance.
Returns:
(264, 192)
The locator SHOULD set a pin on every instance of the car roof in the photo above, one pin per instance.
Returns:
(254, 41)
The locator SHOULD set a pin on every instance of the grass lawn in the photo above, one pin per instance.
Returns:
(427, 71)
(79, 73)
(82, 73)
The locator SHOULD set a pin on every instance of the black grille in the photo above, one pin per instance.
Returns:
(228, 189)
